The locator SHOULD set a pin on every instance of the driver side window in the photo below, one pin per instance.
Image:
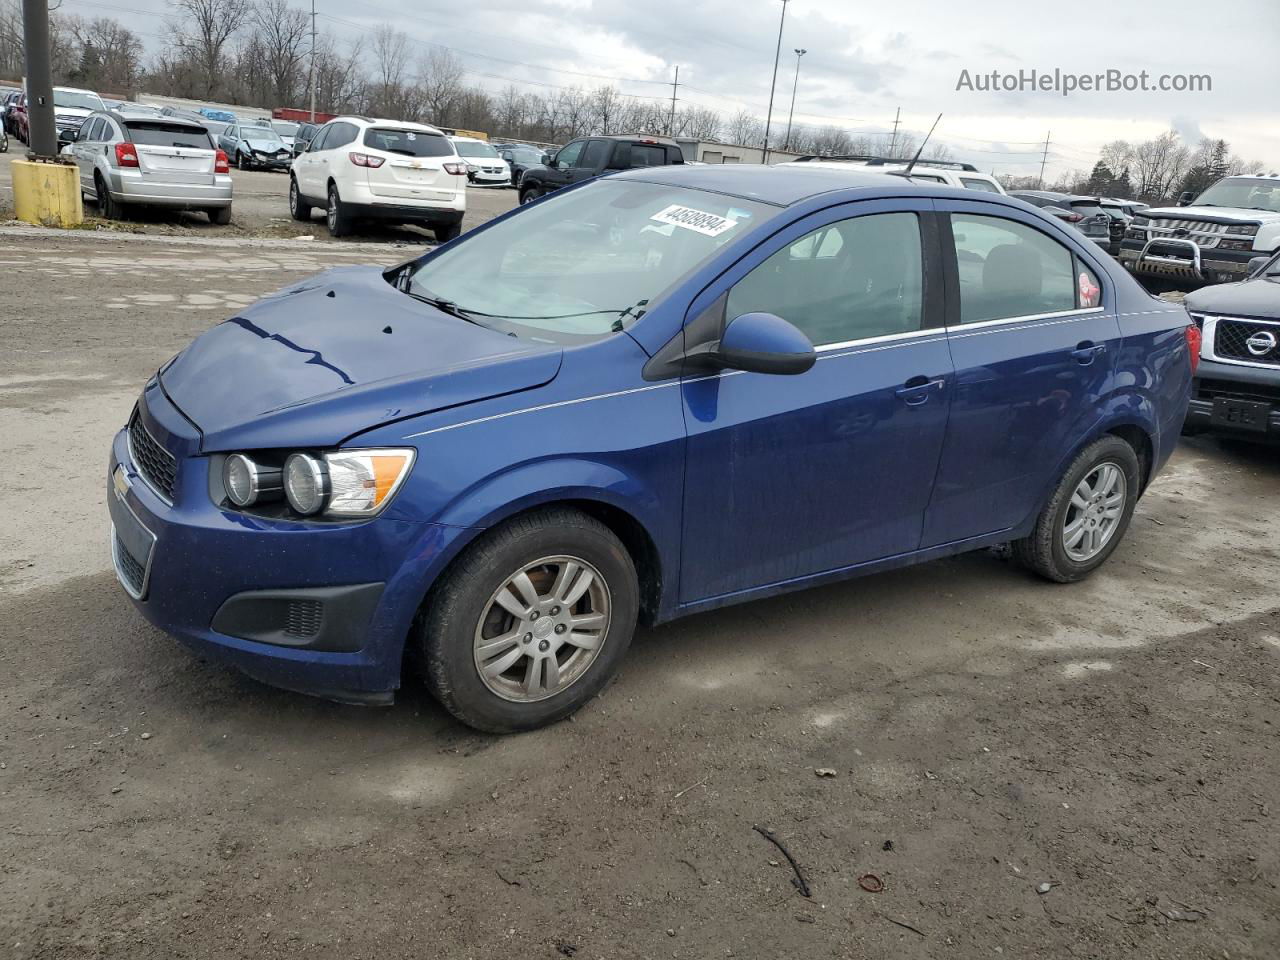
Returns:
(568, 157)
(848, 280)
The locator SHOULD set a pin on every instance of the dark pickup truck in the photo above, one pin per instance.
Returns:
(591, 156)
(1237, 386)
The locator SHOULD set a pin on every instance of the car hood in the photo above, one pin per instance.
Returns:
(80, 112)
(338, 354)
(267, 146)
(1212, 214)
(1259, 297)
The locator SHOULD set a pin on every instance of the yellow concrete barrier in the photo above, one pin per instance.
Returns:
(47, 194)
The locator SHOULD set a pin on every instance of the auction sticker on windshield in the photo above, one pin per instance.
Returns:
(708, 224)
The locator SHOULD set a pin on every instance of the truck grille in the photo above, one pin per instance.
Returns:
(156, 464)
(1251, 342)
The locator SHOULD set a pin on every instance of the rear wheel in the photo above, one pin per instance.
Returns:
(109, 208)
(444, 232)
(336, 216)
(1084, 520)
(299, 209)
(220, 215)
(529, 195)
(530, 622)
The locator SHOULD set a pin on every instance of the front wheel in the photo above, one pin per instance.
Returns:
(1084, 520)
(530, 622)
(241, 162)
(529, 194)
(299, 209)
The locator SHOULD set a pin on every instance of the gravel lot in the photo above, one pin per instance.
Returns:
(990, 733)
(261, 209)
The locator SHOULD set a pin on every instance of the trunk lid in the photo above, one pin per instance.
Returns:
(171, 151)
(338, 354)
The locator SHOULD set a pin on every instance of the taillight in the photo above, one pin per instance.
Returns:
(126, 154)
(220, 162)
(364, 160)
(1194, 339)
(455, 169)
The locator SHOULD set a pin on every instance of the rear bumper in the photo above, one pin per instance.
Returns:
(365, 204)
(131, 187)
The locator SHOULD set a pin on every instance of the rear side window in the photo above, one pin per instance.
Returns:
(340, 134)
(410, 143)
(594, 154)
(157, 133)
(1008, 269)
(648, 155)
(972, 183)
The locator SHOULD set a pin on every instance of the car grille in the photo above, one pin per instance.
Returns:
(133, 573)
(1233, 338)
(304, 618)
(156, 464)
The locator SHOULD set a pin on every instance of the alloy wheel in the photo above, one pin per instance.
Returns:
(332, 213)
(1093, 515)
(541, 630)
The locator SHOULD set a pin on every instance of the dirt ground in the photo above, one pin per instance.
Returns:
(989, 733)
(260, 208)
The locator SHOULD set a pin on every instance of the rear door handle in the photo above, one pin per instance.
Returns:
(1086, 350)
(917, 390)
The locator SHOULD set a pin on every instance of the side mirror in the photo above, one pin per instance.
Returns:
(69, 136)
(548, 160)
(1256, 265)
(763, 343)
(1185, 198)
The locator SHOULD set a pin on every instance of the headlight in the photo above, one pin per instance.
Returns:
(247, 482)
(1139, 221)
(1235, 244)
(343, 483)
(1244, 230)
(306, 483)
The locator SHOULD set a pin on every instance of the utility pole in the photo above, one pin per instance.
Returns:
(671, 121)
(313, 61)
(800, 52)
(42, 138)
(1045, 158)
(768, 118)
(893, 144)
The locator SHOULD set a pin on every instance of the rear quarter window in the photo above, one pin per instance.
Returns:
(410, 143)
(154, 133)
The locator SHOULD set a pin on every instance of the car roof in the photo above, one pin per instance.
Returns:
(785, 184)
(121, 115)
(77, 90)
(383, 122)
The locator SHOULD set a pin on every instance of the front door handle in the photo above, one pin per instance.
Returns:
(1086, 350)
(918, 389)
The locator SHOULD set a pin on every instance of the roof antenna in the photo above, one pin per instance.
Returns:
(911, 165)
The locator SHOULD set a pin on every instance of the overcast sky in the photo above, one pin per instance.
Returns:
(867, 59)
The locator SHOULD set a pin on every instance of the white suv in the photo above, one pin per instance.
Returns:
(963, 175)
(485, 168)
(361, 169)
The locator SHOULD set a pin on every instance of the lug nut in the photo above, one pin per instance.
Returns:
(544, 646)
(555, 611)
(560, 628)
(535, 615)
(528, 638)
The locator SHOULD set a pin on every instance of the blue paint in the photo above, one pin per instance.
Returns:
(886, 452)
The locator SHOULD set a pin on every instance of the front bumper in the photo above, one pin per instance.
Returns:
(360, 584)
(1215, 380)
(1180, 259)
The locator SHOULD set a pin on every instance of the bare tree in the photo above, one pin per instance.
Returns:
(283, 33)
(700, 123)
(440, 77)
(202, 28)
(389, 92)
(745, 129)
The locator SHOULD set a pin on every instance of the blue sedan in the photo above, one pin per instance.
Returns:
(651, 394)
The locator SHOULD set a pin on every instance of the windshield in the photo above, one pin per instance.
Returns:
(572, 267)
(1087, 208)
(157, 133)
(285, 128)
(82, 101)
(264, 124)
(259, 137)
(474, 148)
(525, 154)
(1246, 192)
(410, 143)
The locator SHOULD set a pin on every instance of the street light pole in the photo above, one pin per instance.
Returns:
(800, 52)
(313, 61)
(768, 119)
(42, 138)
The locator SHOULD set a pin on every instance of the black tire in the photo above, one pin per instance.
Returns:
(462, 596)
(1044, 551)
(337, 219)
(529, 194)
(299, 209)
(444, 232)
(241, 162)
(516, 178)
(220, 216)
(107, 207)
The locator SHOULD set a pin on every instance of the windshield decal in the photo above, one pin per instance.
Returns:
(699, 221)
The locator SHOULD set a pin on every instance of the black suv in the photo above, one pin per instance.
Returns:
(1237, 387)
(591, 156)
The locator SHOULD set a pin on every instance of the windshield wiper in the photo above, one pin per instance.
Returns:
(440, 303)
(623, 312)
